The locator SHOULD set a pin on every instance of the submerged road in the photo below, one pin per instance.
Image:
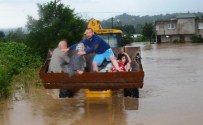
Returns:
(172, 95)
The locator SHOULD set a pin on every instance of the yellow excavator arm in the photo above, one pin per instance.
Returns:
(96, 26)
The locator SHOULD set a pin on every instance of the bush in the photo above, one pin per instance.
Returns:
(26, 79)
(4, 81)
(197, 39)
(178, 41)
(14, 58)
(139, 39)
(17, 56)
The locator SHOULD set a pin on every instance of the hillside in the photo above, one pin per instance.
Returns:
(138, 21)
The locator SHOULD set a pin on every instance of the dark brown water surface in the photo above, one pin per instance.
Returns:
(172, 95)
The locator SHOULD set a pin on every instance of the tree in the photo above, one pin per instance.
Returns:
(55, 22)
(16, 35)
(2, 34)
(128, 31)
(147, 31)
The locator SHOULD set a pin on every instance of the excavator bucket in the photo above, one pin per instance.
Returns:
(97, 80)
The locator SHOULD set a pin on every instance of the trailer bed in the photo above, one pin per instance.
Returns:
(96, 80)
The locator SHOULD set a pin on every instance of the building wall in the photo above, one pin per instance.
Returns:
(184, 29)
(170, 38)
(187, 38)
(162, 28)
(200, 27)
(186, 26)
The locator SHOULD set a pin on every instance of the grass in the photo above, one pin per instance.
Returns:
(4, 82)
(26, 79)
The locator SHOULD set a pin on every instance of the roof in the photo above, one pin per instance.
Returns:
(185, 15)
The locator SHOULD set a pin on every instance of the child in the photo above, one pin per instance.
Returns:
(124, 62)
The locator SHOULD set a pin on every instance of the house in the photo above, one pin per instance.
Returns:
(181, 28)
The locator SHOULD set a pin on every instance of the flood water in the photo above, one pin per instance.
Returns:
(172, 95)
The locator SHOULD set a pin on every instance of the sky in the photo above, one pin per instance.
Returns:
(13, 13)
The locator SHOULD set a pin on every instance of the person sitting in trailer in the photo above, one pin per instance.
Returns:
(124, 63)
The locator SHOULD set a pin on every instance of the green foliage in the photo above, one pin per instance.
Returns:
(17, 56)
(14, 58)
(55, 22)
(178, 41)
(147, 31)
(4, 81)
(127, 39)
(27, 78)
(138, 39)
(197, 39)
(128, 31)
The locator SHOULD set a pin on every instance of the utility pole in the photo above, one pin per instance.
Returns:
(55, 3)
(112, 22)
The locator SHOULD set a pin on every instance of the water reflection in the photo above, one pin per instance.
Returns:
(41, 108)
(107, 111)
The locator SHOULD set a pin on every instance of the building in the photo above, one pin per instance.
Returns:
(180, 28)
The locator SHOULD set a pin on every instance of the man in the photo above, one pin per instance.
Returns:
(59, 59)
(100, 47)
(59, 63)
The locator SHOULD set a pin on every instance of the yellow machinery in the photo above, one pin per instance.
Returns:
(98, 93)
(112, 36)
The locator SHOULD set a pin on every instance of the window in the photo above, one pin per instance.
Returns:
(171, 26)
(112, 39)
(200, 25)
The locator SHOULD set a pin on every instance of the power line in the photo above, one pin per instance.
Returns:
(186, 11)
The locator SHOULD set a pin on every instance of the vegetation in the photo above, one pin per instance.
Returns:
(197, 39)
(148, 32)
(14, 58)
(2, 34)
(178, 41)
(21, 53)
(139, 38)
(4, 81)
(26, 79)
(55, 22)
(128, 31)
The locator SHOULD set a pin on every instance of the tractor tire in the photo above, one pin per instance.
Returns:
(133, 92)
(63, 93)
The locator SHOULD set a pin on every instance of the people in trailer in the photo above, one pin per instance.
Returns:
(98, 46)
(124, 62)
(77, 62)
(107, 68)
(59, 59)
(59, 63)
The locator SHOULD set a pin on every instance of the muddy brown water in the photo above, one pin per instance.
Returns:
(172, 95)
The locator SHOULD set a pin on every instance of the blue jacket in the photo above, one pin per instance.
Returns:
(97, 45)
